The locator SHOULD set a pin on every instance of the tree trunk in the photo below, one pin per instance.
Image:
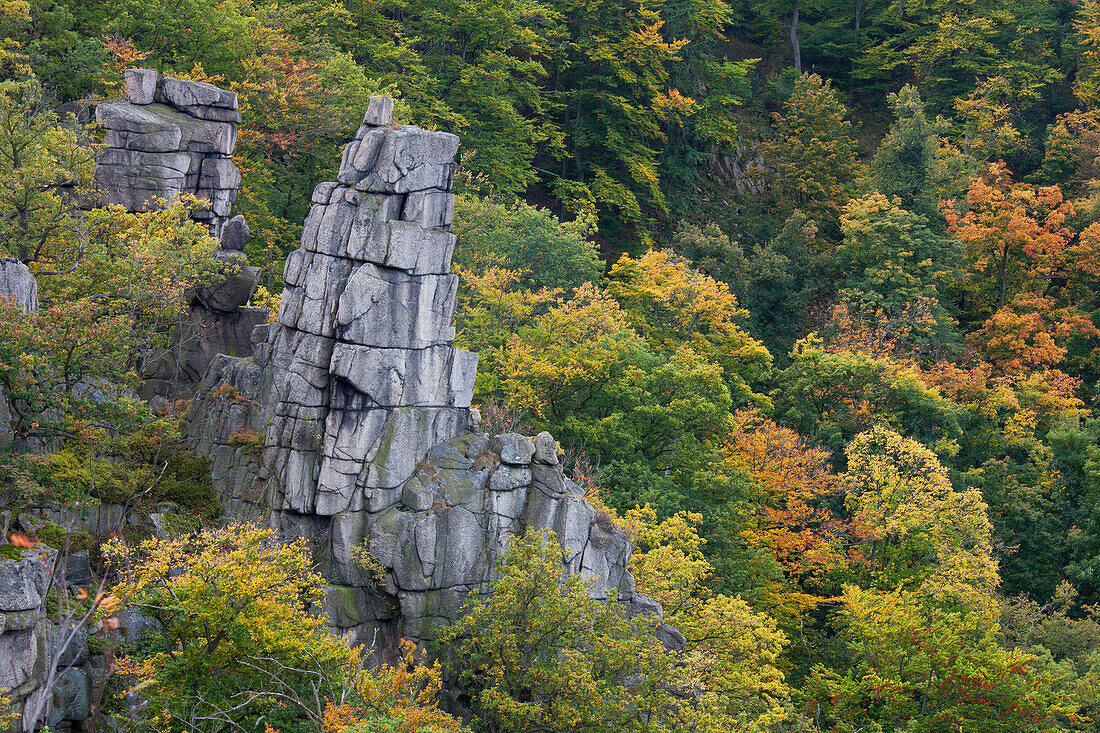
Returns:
(794, 39)
(855, 50)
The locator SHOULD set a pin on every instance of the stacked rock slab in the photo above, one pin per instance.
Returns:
(364, 404)
(27, 642)
(171, 137)
(365, 375)
(24, 636)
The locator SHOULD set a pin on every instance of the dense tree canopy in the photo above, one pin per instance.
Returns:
(806, 289)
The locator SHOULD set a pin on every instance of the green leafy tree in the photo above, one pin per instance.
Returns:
(611, 80)
(670, 305)
(518, 237)
(216, 36)
(921, 533)
(814, 154)
(917, 666)
(911, 162)
(237, 642)
(1087, 24)
(831, 397)
(47, 169)
(540, 654)
(947, 47)
(893, 259)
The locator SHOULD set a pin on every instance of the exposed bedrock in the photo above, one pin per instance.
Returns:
(351, 423)
(171, 138)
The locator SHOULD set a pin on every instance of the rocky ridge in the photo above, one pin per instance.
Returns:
(351, 424)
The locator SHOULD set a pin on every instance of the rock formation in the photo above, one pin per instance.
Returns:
(27, 640)
(24, 639)
(172, 138)
(352, 423)
(18, 284)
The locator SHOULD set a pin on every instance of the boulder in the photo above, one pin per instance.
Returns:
(238, 283)
(141, 85)
(379, 111)
(513, 449)
(71, 697)
(24, 582)
(546, 449)
(235, 234)
(22, 659)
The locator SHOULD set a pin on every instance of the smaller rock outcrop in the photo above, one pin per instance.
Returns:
(18, 285)
(26, 648)
(170, 137)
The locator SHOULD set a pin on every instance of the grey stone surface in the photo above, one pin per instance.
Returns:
(184, 94)
(75, 645)
(235, 233)
(71, 697)
(390, 309)
(78, 569)
(379, 111)
(23, 583)
(546, 449)
(141, 85)
(410, 159)
(172, 137)
(159, 141)
(18, 284)
(514, 449)
(237, 283)
(203, 335)
(438, 376)
(431, 208)
(22, 659)
(364, 407)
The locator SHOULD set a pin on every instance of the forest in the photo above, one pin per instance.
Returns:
(807, 290)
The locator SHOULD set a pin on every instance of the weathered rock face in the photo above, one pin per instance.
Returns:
(364, 408)
(171, 137)
(359, 377)
(17, 283)
(26, 648)
(454, 517)
(24, 636)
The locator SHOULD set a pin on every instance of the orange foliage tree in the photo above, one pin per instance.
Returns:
(800, 513)
(1026, 270)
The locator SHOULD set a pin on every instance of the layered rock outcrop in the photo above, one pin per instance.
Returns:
(351, 424)
(34, 653)
(171, 138)
(18, 284)
(24, 632)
